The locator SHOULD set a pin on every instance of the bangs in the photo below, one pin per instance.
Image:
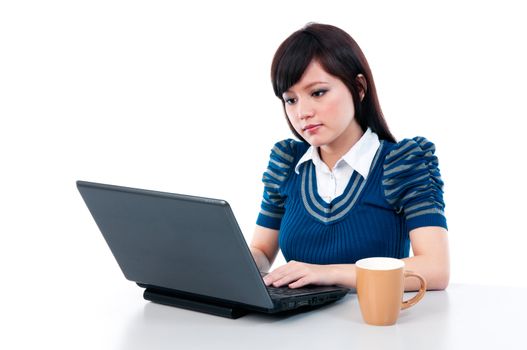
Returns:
(292, 59)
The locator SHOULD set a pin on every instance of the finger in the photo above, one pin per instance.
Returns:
(272, 277)
(268, 279)
(280, 273)
(291, 277)
(304, 281)
(279, 280)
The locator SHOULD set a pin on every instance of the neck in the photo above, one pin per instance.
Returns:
(332, 152)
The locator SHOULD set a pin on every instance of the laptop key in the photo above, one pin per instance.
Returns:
(287, 292)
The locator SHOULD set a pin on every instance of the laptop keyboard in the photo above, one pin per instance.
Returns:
(282, 292)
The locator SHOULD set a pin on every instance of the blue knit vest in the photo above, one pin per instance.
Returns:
(373, 217)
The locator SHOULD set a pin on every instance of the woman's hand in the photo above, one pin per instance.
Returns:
(297, 274)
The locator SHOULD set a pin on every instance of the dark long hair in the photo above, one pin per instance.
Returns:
(341, 57)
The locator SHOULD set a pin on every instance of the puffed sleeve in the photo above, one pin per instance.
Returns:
(278, 170)
(412, 183)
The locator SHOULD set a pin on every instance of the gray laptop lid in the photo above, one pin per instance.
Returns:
(185, 243)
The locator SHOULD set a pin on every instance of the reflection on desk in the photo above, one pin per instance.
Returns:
(460, 317)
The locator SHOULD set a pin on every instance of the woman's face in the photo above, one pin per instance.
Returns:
(320, 107)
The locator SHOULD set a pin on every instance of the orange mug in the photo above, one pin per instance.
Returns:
(380, 289)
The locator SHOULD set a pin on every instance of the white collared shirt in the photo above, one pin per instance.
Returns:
(332, 183)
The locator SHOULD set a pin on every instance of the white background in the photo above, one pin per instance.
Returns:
(177, 97)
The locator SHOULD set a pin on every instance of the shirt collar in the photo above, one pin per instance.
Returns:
(359, 157)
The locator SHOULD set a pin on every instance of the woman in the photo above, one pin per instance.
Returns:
(346, 190)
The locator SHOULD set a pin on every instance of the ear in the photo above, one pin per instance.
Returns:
(362, 84)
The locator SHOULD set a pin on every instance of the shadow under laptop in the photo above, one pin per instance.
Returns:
(165, 327)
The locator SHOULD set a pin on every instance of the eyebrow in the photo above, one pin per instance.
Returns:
(310, 85)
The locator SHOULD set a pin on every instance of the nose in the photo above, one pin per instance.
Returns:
(304, 110)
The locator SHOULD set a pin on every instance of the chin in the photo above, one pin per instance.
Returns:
(316, 141)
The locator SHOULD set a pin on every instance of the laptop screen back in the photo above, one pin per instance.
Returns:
(184, 243)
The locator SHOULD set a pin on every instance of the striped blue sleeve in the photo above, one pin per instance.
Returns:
(412, 183)
(279, 167)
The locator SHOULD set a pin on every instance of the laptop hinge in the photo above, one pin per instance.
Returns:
(166, 298)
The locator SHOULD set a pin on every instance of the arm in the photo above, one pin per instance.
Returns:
(264, 247)
(264, 244)
(431, 260)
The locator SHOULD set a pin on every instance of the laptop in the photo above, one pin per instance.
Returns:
(189, 252)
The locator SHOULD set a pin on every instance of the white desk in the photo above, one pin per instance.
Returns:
(463, 317)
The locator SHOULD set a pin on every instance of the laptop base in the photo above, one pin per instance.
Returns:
(166, 298)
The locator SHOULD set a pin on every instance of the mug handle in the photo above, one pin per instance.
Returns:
(420, 294)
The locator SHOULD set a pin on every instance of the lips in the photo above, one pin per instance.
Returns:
(311, 127)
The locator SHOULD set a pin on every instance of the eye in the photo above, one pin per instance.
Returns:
(319, 93)
(289, 101)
